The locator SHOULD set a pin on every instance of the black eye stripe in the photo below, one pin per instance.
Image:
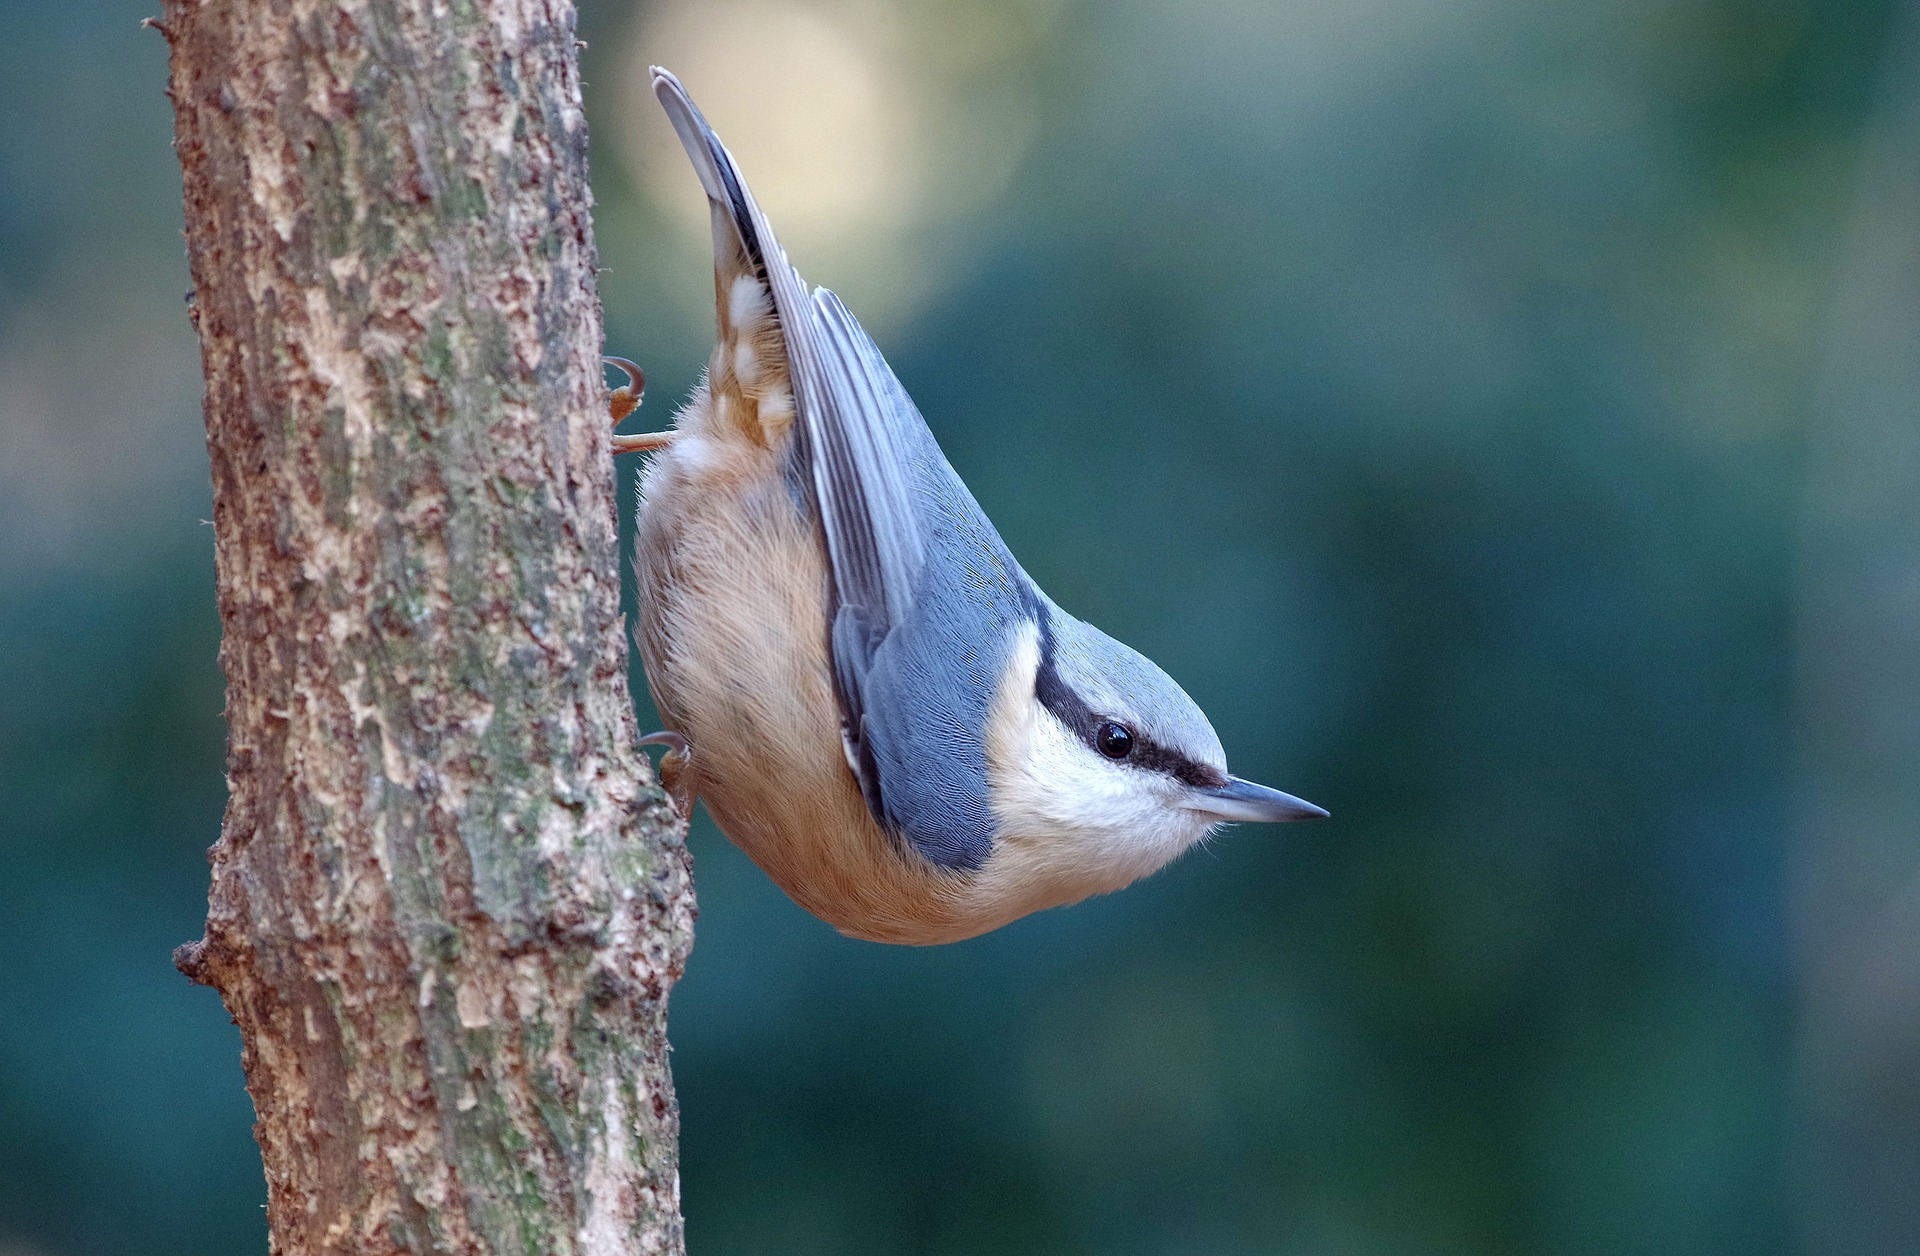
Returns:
(1147, 754)
(1155, 757)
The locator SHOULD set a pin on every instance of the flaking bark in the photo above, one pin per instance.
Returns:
(447, 903)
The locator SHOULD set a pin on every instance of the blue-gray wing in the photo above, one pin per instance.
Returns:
(916, 678)
(918, 607)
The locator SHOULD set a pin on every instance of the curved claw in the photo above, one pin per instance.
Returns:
(674, 769)
(624, 401)
(626, 398)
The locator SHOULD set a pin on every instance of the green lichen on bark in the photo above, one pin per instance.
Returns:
(448, 903)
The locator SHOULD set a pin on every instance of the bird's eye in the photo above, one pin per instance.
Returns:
(1114, 740)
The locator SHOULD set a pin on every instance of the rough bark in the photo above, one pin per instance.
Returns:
(447, 901)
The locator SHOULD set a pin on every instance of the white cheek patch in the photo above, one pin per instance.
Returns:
(1071, 822)
(1085, 795)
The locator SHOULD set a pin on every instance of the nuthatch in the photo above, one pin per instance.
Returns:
(876, 703)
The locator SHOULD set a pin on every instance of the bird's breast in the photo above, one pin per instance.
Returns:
(733, 635)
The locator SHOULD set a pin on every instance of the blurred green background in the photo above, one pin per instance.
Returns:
(1503, 417)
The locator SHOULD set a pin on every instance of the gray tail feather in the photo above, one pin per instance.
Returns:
(719, 175)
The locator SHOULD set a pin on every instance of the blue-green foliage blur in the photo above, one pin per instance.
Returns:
(1430, 388)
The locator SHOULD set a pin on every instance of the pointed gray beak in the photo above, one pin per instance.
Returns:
(1245, 802)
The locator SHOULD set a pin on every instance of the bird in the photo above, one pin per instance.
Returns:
(873, 699)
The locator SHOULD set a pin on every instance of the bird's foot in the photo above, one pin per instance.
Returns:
(675, 767)
(624, 401)
(641, 442)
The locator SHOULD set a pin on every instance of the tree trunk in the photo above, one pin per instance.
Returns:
(448, 902)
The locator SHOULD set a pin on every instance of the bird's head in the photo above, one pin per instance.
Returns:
(1101, 768)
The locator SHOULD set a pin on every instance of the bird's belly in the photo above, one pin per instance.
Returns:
(732, 632)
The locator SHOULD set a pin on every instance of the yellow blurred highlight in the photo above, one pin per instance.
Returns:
(824, 137)
(856, 164)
